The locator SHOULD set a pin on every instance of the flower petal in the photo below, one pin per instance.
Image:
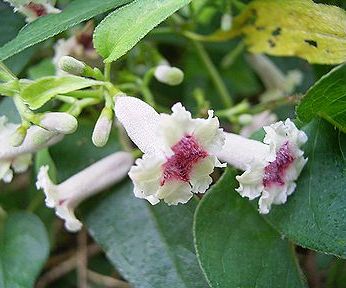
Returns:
(208, 133)
(199, 178)
(175, 192)
(140, 121)
(146, 176)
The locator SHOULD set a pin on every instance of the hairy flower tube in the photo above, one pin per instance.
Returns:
(33, 9)
(58, 122)
(66, 196)
(271, 168)
(179, 152)
(18, 158)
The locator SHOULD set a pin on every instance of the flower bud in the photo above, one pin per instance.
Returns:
(18, 136)
(169, 75)
(226, 22)
(59, 122)
(103, 128)
(245, 119)
(71, 65)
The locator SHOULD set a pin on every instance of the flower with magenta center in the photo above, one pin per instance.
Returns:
(179, 151)
(271, 168)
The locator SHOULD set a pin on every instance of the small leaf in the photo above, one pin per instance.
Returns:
(152, 246)
(301, 28)
(24, 248)
(50, 25)
(40, 92)
(236, 247)
(327, 99)
(117, 34)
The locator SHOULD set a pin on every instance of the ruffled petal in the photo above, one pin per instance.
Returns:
(208, 133)
(175, 126)
(175, 192)
(140, 121)
(199, 178)
(250, 182)
(146, 176)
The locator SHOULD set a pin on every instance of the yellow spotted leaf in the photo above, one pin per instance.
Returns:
(302, 28)
(315, 32)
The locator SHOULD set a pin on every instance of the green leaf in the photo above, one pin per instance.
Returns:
(152, 246)
(40, 92)
(24, 248)
(42, 69)
(117, 34)
(314, 216)
(9, 88)
(327, 99)
(236, 247)
(50, 25)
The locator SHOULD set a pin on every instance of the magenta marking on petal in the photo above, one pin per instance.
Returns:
(62, 201)
(38, 9)
(187, 152)
(274, 172)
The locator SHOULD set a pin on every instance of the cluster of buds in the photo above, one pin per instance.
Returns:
(17, 159)
(33, 9)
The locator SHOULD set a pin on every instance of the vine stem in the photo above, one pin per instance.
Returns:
(214, 74)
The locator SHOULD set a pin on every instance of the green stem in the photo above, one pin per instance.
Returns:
(147, 95)
(240, 108)
(214, 74)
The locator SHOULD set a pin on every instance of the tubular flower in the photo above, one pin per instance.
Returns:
(271, 168)
(179, 152)
(18, 158)
(33, 9)
(66, 196)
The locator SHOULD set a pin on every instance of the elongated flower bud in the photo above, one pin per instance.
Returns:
(18, 136)
(226, 22)
(59, 122)
(71, 65)
(169, 75)
(103, 128)
(66, 196)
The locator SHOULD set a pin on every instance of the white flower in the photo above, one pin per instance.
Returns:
(33, 9)
(258, 121)
(277, 84)
(18, 158)
(179, 151)
(169, 75)
(66, 196)
(273, 176)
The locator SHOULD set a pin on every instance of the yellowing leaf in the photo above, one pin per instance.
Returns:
(301, 28)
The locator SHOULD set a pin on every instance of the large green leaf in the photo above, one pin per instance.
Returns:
(48, 26)
(152, 246)
(327, 99)
(314, 216)
(24, 249)
(236, 247)
(123, 28)
(41, 91)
